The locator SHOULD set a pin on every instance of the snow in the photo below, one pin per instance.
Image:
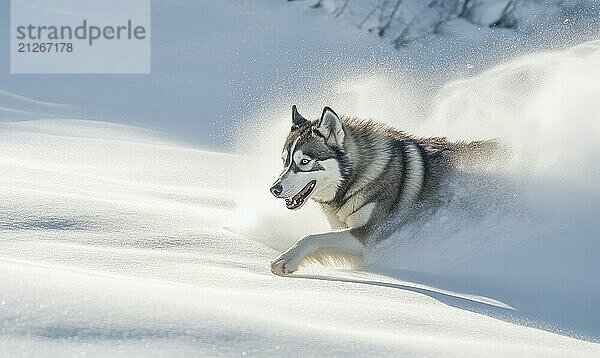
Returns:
(116, 246)
(212, 62)
(136, 220)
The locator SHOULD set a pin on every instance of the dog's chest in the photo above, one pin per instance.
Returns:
(354, 213)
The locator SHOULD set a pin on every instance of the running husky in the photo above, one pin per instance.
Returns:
(363, 174)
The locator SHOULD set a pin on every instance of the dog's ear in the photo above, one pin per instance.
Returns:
(330, 127)
(297, 119)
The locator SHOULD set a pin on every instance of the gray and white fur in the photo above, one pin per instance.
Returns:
(360, 172)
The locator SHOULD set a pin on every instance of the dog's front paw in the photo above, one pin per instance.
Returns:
(286, 263)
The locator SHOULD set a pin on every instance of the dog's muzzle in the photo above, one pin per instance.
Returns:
(276, 189)
(295, 201)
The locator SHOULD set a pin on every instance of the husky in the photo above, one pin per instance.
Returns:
(363, 174)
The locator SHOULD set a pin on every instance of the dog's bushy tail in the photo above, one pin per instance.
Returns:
(479, 154)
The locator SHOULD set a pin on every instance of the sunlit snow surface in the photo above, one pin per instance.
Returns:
(113, 244)
(117, 241)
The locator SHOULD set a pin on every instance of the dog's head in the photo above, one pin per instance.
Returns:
(311, 160)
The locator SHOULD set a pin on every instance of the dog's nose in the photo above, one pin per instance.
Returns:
(276, 189)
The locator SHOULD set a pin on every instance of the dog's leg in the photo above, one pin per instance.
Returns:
(342, 241)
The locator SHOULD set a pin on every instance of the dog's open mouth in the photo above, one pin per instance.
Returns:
(297, 200)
